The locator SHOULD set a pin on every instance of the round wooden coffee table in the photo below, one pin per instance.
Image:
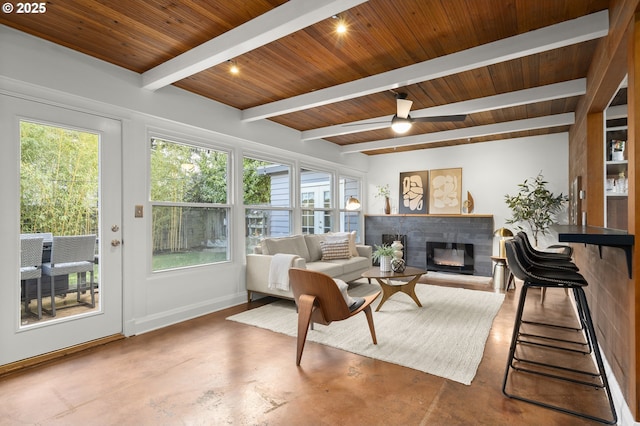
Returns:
(390, 288)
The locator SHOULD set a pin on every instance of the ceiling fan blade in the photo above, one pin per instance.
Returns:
(403, 107)
(440, 118)
(364, 124)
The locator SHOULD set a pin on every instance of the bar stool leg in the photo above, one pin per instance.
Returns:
(584, 316)
(591, 332)
(514, 336)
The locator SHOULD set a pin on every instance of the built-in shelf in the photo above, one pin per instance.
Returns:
(616, 128)
(598, 236)
(617, 194)
(616, 167)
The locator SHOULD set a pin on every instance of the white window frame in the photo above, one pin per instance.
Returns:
(198, 143)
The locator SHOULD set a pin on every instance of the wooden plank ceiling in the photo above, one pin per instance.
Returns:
(490, 59)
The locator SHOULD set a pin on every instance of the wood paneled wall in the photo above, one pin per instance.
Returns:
(633, 287)
(612, 295)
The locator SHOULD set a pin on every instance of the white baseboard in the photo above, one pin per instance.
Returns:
(624, 413)
(175, 316)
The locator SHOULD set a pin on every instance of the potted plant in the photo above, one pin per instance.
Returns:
(535, 205)
(383, 254)
(384, 191)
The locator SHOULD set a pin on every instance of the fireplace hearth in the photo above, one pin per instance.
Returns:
(450, 257)
(468, 228)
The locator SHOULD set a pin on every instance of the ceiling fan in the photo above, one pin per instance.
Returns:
(402, 121)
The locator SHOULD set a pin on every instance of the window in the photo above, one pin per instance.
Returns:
(308, 202)
(315, 201)
(327, 214)
(349, 219)
(190, 210)
(267, 200)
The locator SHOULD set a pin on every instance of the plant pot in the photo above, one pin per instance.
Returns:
(385, 263)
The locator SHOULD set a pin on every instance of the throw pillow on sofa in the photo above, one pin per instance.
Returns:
(315, 250)
(350, 236)
(332, 250)
(286, 245)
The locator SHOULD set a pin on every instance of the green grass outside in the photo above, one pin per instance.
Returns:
(162, 261)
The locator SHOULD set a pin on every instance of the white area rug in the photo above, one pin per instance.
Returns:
(446, 337)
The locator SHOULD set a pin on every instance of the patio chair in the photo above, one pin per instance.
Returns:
(319, 300)
(71, 254)
(31, 268)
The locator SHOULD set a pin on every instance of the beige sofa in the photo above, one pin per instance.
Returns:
(309, 249)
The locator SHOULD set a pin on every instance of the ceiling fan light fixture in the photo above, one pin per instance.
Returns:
(400, 125)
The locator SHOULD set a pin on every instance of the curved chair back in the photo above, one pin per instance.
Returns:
(564, 255)
(319, 300)
(540, 259)
(515, 261)
(330, 305)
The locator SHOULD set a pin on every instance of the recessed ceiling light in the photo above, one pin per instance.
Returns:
(341, 26)
(233, 68)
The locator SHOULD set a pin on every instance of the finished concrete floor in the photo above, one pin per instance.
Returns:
(209, 371)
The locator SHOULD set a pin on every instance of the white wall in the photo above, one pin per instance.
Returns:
(489, 170)
(39, 70)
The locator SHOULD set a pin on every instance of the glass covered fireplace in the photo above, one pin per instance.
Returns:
(450, 257)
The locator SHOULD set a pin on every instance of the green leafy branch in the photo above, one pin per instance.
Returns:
(535, 205)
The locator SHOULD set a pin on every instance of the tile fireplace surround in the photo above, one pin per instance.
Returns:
(469, 228)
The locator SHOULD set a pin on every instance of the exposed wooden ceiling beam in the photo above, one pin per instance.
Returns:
(566, 33)
(522, 97)
(292, 16)
(468, 132)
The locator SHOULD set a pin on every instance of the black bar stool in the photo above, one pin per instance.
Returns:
(542, 259)
(536, 276)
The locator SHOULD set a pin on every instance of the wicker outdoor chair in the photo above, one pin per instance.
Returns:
(31, 268)
(71, 254)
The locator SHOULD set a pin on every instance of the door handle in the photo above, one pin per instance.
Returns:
(115, 243)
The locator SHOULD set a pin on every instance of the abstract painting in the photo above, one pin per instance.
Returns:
(445, 191)
(413, 192)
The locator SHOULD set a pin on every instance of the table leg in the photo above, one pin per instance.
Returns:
(389, 290)
(410, 289)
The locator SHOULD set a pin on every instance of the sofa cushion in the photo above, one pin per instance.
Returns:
(286, 245)
(330, 268)
(335, 250)
(352, 265)
(313, 245)
(351, 236)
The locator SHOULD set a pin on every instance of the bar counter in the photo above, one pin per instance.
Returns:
(597, 236)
